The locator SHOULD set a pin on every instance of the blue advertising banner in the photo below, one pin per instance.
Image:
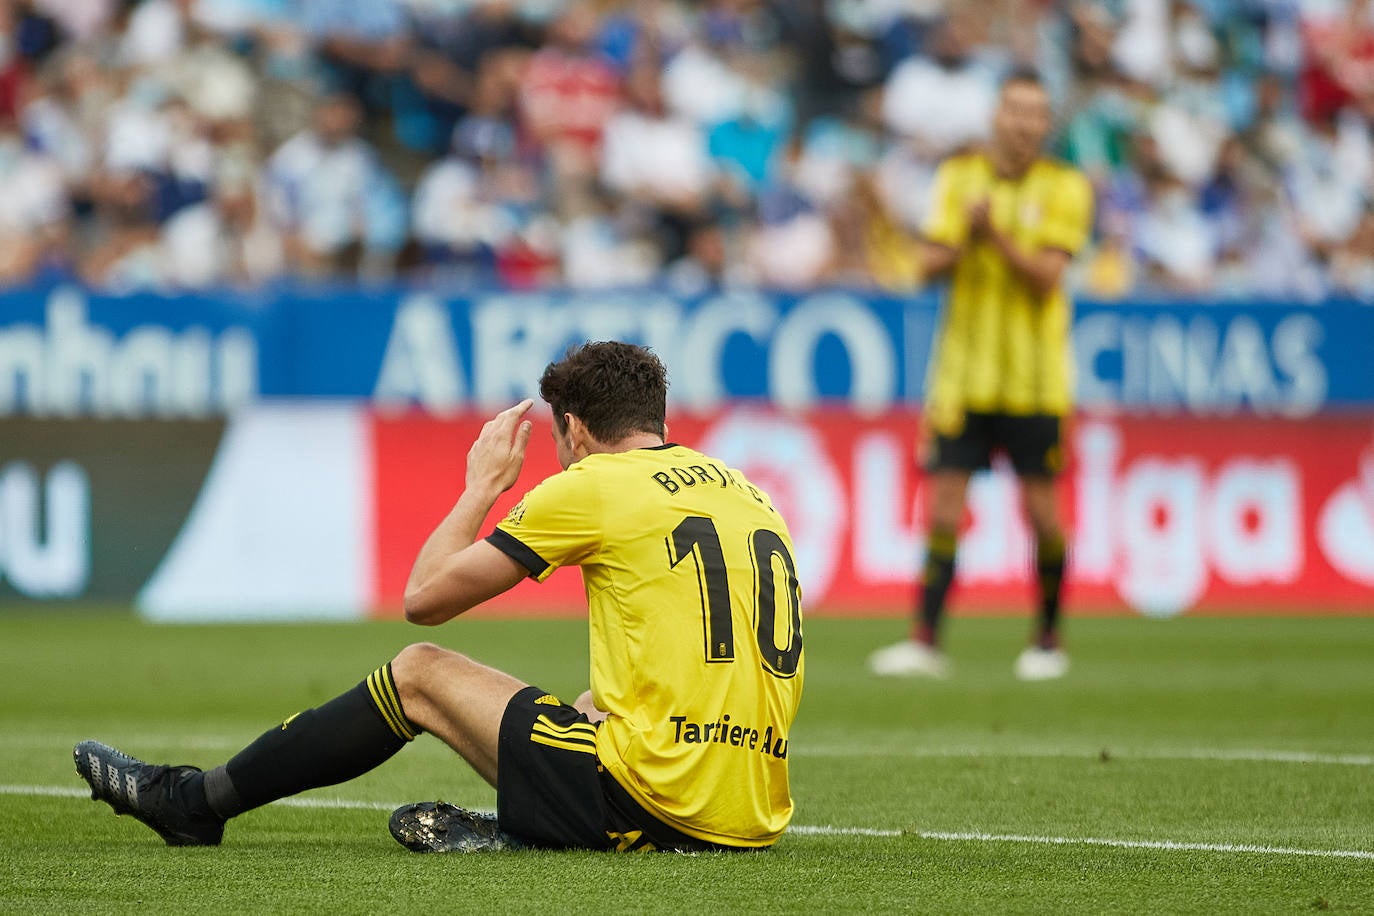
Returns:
(65, 351)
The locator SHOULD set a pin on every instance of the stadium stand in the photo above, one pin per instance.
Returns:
(187, 144)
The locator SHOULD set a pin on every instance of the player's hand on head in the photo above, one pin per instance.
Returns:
(495, 459)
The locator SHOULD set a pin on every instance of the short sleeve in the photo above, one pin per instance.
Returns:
(946, 218)
(1068, 213)
(556, 524)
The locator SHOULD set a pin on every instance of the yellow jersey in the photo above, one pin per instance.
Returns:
(1001, 347)
(695, 624)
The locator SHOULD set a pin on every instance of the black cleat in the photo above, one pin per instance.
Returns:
(147, 792)
(441, 827)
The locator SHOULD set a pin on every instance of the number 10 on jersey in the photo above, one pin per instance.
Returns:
(696, 538)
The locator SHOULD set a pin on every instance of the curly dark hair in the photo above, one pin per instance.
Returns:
(615, 389)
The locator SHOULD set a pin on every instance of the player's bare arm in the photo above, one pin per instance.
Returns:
(453, 571)
(936, 259)
(1040, 268)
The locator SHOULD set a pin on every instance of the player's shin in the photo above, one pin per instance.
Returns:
(340, 740)
(1049, 566)
(936, 577)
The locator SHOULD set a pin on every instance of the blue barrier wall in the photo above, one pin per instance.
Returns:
(69, 351)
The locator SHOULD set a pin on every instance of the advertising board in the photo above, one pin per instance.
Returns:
(65, 352)
(290, 511)
(1166, 515)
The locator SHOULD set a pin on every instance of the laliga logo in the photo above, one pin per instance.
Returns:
(1345, 528)
(1160, 527)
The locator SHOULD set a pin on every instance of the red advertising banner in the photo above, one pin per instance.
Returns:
(1167, 515)
(419, 462)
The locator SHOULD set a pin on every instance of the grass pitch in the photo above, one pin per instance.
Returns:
(1217, 765)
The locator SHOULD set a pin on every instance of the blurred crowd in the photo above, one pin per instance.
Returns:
(186, 144)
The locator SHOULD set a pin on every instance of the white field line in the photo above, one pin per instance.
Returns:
(830, 830)
(37, 741)
(1115, 753)
(1091, 841)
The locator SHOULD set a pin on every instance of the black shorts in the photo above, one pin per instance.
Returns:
(551, 791)
(1033, 443)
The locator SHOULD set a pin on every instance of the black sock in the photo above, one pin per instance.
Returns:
(342, 739)
(936, 578)
(1049, 568)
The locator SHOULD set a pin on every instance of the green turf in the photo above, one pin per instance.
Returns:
(1140, 743)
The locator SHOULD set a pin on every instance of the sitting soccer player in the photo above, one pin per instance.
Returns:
(680, 744)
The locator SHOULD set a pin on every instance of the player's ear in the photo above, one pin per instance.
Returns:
(577, 433)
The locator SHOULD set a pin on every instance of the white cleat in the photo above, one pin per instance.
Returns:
(909, 658)
(1037, 664)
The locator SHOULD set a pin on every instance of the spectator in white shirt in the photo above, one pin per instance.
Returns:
(33, 207)
(943, 101)
(466, 205)
(656, 160)
(318, 184)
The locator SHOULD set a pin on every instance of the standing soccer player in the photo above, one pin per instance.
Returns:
(696, 653)
(1005, 223)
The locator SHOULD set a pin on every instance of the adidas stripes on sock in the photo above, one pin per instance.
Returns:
(936, 578)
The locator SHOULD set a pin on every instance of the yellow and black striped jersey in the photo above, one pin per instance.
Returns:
(1003, 348)
(695, 627)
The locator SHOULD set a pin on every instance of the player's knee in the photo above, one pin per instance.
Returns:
(1043, 518)
(414, 665)
(948, 493)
